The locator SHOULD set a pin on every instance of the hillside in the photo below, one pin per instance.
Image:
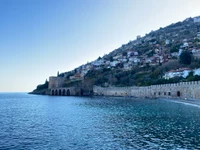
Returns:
(167, 55)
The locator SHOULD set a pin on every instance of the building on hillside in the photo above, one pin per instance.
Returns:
(182, 72)
(198, 34)
(139, 37)
(196, 54)
(114, 63)
(196, 71)
(117, 56)
(76, 77)
(134, 60)
(127, 66)
(196, 19)
(167, 42)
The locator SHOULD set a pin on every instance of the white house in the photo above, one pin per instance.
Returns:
(196, 71)
(183, 72)
(134, 59)
(196, 54)
(138, 37)
(117, 56)
(174, 54)
(127, 66)
(167, 42)
(129, 53)
(185, 44)
(114, 63)
(196, 19)
(198, 34)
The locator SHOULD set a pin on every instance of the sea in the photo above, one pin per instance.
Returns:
(29, 122)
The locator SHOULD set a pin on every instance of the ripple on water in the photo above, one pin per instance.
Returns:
(42, 122)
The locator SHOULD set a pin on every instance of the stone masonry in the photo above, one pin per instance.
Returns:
(185, 90)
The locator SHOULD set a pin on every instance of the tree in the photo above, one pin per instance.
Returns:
(58, 74)
(175, 48)
(185, 58)
(99, 58)
(124, 53)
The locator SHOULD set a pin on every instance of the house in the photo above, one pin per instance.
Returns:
(184, 40)
(114, 63)
(138, 37)
(76, 77)
(182, 72)
(175, 54)
(198, 34)
(127, 66)
(196, 54)
(196, 71)
(185, 44)
(167, 42)
(117, 56)
(148, 60)
(98, 62)
(134, 59)
(196, 19)
(136, 53)
(130, 53)
(107, 62)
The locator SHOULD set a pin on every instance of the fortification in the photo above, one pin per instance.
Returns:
(56, 82)
(190, 90)
(112, 91)
(56, 88)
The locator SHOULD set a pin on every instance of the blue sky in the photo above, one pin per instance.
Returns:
(40, 37)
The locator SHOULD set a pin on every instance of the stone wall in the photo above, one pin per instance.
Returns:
(70, 91)
(56, 82)
(190, 90)
(112, 91)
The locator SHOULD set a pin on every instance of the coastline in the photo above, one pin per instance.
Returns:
(192, 102)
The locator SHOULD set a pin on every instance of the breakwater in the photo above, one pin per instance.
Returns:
(190, 90)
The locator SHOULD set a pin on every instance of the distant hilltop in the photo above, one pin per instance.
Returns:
(167, 55)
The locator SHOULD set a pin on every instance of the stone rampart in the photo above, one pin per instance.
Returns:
(190, 90)
(56, 82)
(112, 91)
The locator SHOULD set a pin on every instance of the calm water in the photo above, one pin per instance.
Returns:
(84, 123)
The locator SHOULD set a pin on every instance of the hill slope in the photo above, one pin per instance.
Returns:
(146, 60)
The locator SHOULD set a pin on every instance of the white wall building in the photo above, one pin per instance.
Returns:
(197, 19)
(184, 72)
(114, 63)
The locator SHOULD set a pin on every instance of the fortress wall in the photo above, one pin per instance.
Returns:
(112, 91)
(72, 91)
(189, 90)
(56, 82)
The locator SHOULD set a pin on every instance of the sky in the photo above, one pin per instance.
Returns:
(38, 38)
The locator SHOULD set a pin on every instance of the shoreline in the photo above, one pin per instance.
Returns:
(192, 102)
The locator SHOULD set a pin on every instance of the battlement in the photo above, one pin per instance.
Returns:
(182, 90)
(56, 82)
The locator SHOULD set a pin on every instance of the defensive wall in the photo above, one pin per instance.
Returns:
(63, 91)
(56, 82)
(190, 90)
(55, 88)
(111, 91)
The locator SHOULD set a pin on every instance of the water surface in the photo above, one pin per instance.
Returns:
(44, 122)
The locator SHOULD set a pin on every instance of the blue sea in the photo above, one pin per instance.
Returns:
(29, 122)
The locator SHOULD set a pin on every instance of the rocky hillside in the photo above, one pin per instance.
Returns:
(146, 60)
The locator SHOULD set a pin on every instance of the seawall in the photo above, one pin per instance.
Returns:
(189, 90)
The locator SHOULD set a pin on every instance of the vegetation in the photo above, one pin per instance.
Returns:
(137, 76)
(43, 86)
(185, 58)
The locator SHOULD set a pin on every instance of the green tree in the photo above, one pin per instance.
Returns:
(185, 58)
(175, 48)
(124, 53)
